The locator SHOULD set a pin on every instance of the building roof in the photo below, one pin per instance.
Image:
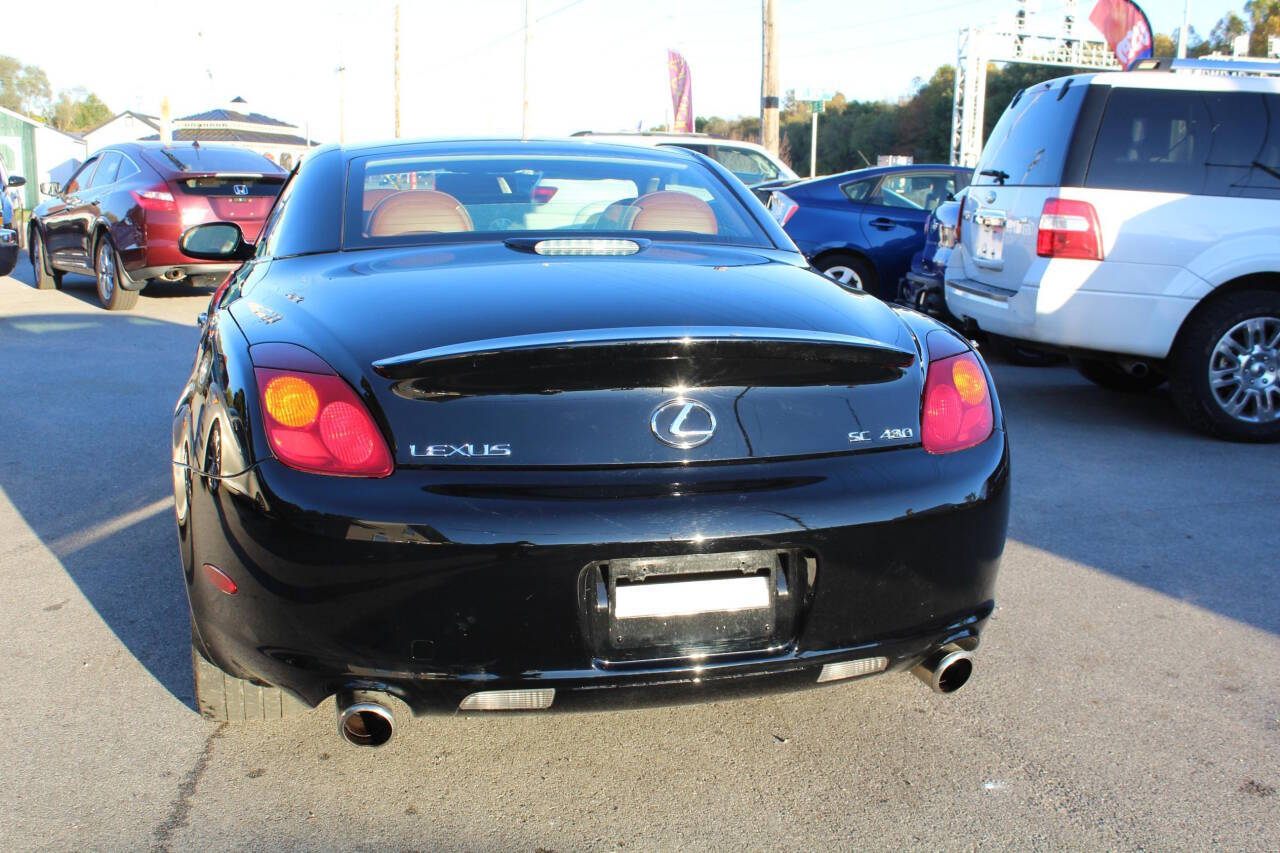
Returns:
(232, 115)
(40, 124)
(229, 135)
(151, 121)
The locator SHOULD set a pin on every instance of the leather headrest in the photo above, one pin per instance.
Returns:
(418, 212)
(670, 210)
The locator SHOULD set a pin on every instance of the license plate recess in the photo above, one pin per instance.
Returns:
(641, 608)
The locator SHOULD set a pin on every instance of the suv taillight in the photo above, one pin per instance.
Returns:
(1069, 229)
(156, 198)
(315, 422)
(957, 405)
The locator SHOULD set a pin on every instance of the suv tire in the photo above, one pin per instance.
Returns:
(108, 275)
(46, 277)
(1237, 337)
(1109, 375)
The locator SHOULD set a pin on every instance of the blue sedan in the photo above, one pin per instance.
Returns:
(862, 228)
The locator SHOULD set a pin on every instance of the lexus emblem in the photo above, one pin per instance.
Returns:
(240, 189)
(683, 423)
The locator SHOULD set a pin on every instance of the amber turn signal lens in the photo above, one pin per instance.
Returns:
(292, 401)
(969, 382)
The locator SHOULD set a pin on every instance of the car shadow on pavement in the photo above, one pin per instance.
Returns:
(92, 392)
(1118, 482)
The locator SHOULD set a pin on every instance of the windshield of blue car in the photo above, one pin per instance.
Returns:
(398, 199)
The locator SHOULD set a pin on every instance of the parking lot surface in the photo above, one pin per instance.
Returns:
(1127, 691)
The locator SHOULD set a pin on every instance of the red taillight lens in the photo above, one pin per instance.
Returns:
(957, 405)
(960, 218)
(542, 195)
(156, 198)
(315, 422)
(1069, 229)
(782, 206)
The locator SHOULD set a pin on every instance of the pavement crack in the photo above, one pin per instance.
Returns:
(180, 808)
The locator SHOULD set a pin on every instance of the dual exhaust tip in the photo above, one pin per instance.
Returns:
(366, 717)
(946, 670)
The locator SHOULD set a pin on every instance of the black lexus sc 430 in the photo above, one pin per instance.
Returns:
(519, 425)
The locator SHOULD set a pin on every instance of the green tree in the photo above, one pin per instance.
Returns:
(1264, 23)
(76, 110)
(23, 88)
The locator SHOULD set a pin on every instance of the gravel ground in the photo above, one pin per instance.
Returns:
(1126, 694)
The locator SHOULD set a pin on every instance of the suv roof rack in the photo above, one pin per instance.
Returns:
(1232, 66)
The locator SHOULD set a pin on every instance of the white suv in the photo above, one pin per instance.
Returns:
(1133, 220)
(751, 163)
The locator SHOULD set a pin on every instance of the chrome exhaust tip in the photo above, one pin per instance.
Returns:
(363, 720)
(946, 670)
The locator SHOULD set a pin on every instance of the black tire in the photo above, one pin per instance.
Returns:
(1111, 376)
(227, 699)
(108, 275)
(849, 271)
(46, 277)
(1195, 353)
(8, 259)
(1019, 354)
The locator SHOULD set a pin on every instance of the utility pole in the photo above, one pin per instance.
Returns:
(528, 33)
(1182, 33)
(769, 84)
(813, 147)
(397, 71)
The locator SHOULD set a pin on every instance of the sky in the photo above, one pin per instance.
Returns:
(593, 64)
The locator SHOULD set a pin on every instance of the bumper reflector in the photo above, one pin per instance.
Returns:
(509, 700)
(852, 668)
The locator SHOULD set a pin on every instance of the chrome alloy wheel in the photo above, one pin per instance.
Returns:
(106, 271)
(1244, 370)
(846, 276)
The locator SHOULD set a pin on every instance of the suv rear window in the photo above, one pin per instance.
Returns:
(1029, 143)
(1198, 143)
(188, 158)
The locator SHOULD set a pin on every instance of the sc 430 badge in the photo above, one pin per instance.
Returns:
(890, 434)
(467, 450)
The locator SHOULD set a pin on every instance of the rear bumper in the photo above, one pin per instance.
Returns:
(433, 585)
(1060, 309)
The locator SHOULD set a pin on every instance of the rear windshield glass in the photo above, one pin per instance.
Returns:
(1204, 143)
(190, 158)
(1028, 146)
(399, 199)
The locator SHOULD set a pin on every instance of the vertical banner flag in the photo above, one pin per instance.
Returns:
(1126, 29)
(681, 93)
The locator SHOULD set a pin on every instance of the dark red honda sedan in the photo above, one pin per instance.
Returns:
(120, 215)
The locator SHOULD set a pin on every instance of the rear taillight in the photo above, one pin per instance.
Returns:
(542, 195)
(1069, 229)
(782, 207)
(156, 198)
(315, 422)
(957, 405)
(960, 218)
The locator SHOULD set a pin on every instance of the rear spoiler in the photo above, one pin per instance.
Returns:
(643, 357)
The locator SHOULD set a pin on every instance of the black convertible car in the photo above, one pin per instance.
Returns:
(511, 425)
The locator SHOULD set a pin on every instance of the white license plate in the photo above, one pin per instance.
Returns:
(686, 598)
(989, 245)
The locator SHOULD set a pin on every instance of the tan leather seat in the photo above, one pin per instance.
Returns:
(669, 210)
(418, 212)
(373, 197)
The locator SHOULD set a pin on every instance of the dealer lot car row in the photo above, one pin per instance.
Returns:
(498, 425)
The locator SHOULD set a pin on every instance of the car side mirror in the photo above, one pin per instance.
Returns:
(51, 188)
(17, 181)
(215, 241)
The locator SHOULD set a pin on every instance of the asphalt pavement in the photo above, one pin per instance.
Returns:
(1127, 691)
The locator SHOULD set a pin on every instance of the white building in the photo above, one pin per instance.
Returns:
(128, 126)
(37, 152)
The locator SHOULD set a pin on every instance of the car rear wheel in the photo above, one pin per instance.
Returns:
(106, 268)
(849, 271)
(1225, 376)
(1109, 375)
(46, 277)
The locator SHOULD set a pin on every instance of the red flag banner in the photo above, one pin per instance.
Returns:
(681, 93)
(1126, 29)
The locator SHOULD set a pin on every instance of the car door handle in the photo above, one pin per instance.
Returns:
(882, 223)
